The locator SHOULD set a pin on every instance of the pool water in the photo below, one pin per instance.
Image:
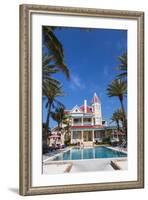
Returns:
(89, 153)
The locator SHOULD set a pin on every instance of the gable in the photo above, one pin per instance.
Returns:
(76, 109)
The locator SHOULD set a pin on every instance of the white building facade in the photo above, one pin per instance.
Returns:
(87, 125)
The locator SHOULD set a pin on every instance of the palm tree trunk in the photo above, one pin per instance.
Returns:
(58, 127)
(124, 118)
(117, 125)
(122, 106)
(47, 121)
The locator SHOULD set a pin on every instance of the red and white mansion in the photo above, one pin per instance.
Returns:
(87, 124)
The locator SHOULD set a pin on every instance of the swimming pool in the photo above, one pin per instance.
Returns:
(89, 153)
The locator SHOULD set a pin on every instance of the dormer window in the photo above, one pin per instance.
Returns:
(76, 109)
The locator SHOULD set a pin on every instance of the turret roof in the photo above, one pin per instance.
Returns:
(95, 99)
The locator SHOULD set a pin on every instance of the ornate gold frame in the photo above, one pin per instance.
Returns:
(25, 98)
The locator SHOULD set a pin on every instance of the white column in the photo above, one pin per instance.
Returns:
(92, 121)
(71, 137)
(93, 136)
(82, 121)
(72, 121)
(82, 139)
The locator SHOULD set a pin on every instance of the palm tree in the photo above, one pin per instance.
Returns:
(67, 127)
(48, 69)
(50, 86)
(59, 116)
(52, 43)
(67, 131)
(52, 62)
(63, 121)
(122, 66)
(115, 118)
(118, 88)
(118, 116)
(121, 116)
(51, 97)
(54, 50)
(47, 72)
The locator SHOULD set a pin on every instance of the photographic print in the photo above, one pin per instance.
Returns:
(84, 99)
(81, 99)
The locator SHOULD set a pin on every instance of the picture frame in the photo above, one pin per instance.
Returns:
(26, 94)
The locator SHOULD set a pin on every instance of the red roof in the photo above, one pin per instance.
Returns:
(88, 110)
(66, 111)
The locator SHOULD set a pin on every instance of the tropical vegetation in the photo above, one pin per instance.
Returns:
(122, 66)
(59, 116)
(118, 118)
(118, 88)
(52, 63)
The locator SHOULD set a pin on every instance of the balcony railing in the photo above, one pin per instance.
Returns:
(77, 123)
(82, 124)
(87, 123)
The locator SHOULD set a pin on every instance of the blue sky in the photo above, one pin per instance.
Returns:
(91, 56)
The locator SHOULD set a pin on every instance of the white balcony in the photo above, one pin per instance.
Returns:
(82, 121)
(87, 123)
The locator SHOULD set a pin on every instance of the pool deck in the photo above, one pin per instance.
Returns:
(74, 166)
(57, 168)
(88, 165)
(119, 164)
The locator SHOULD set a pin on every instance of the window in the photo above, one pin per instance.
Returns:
(76, 134)
(77, 120)
(87, 120)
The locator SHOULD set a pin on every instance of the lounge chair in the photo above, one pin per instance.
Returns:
(123, 145)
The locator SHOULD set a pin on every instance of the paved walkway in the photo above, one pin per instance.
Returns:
(91, 165)
(56, 168)
(103, 164)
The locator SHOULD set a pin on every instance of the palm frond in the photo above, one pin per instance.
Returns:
(122, 66)
(56, 49)
(116, 88)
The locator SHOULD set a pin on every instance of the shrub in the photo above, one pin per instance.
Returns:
(106, 140)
